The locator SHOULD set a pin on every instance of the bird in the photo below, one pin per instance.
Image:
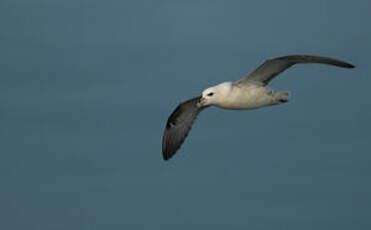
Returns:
(250, 92)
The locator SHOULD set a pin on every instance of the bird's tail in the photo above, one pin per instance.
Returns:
(281, 96)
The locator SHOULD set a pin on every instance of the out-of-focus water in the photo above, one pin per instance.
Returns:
(86, 88)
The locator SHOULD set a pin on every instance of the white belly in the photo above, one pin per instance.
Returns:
(248, 97)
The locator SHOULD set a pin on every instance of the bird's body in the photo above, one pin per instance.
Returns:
(252, 95)
(251, 92)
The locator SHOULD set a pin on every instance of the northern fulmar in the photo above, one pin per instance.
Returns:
(250, 92)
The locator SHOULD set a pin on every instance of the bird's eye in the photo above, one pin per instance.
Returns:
(210, 94)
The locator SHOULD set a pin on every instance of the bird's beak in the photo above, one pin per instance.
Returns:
(201, 102)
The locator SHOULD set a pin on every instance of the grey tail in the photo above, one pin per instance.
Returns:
(281, 96)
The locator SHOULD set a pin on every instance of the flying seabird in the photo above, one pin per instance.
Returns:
(250, 92)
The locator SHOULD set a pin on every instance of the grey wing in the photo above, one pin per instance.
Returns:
(178, 126)
(272, 67)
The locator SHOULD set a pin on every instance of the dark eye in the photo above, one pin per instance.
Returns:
(210, 94)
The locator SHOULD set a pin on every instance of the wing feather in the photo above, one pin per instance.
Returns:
(178, 126)
(272, 67)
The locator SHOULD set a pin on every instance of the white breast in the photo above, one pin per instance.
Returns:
(247, 97)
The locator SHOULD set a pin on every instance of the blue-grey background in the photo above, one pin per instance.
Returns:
(86, 88)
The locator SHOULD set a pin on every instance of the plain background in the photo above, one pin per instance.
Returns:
(86, 87)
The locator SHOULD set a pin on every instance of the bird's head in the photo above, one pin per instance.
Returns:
(215, 95)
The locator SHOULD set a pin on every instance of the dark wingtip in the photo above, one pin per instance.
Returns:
(165, 155)
(346, 65)
(168, 149)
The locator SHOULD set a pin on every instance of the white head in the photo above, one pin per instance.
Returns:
(216, 95)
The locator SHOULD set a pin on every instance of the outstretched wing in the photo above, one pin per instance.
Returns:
(178, 126)
(274, 66)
